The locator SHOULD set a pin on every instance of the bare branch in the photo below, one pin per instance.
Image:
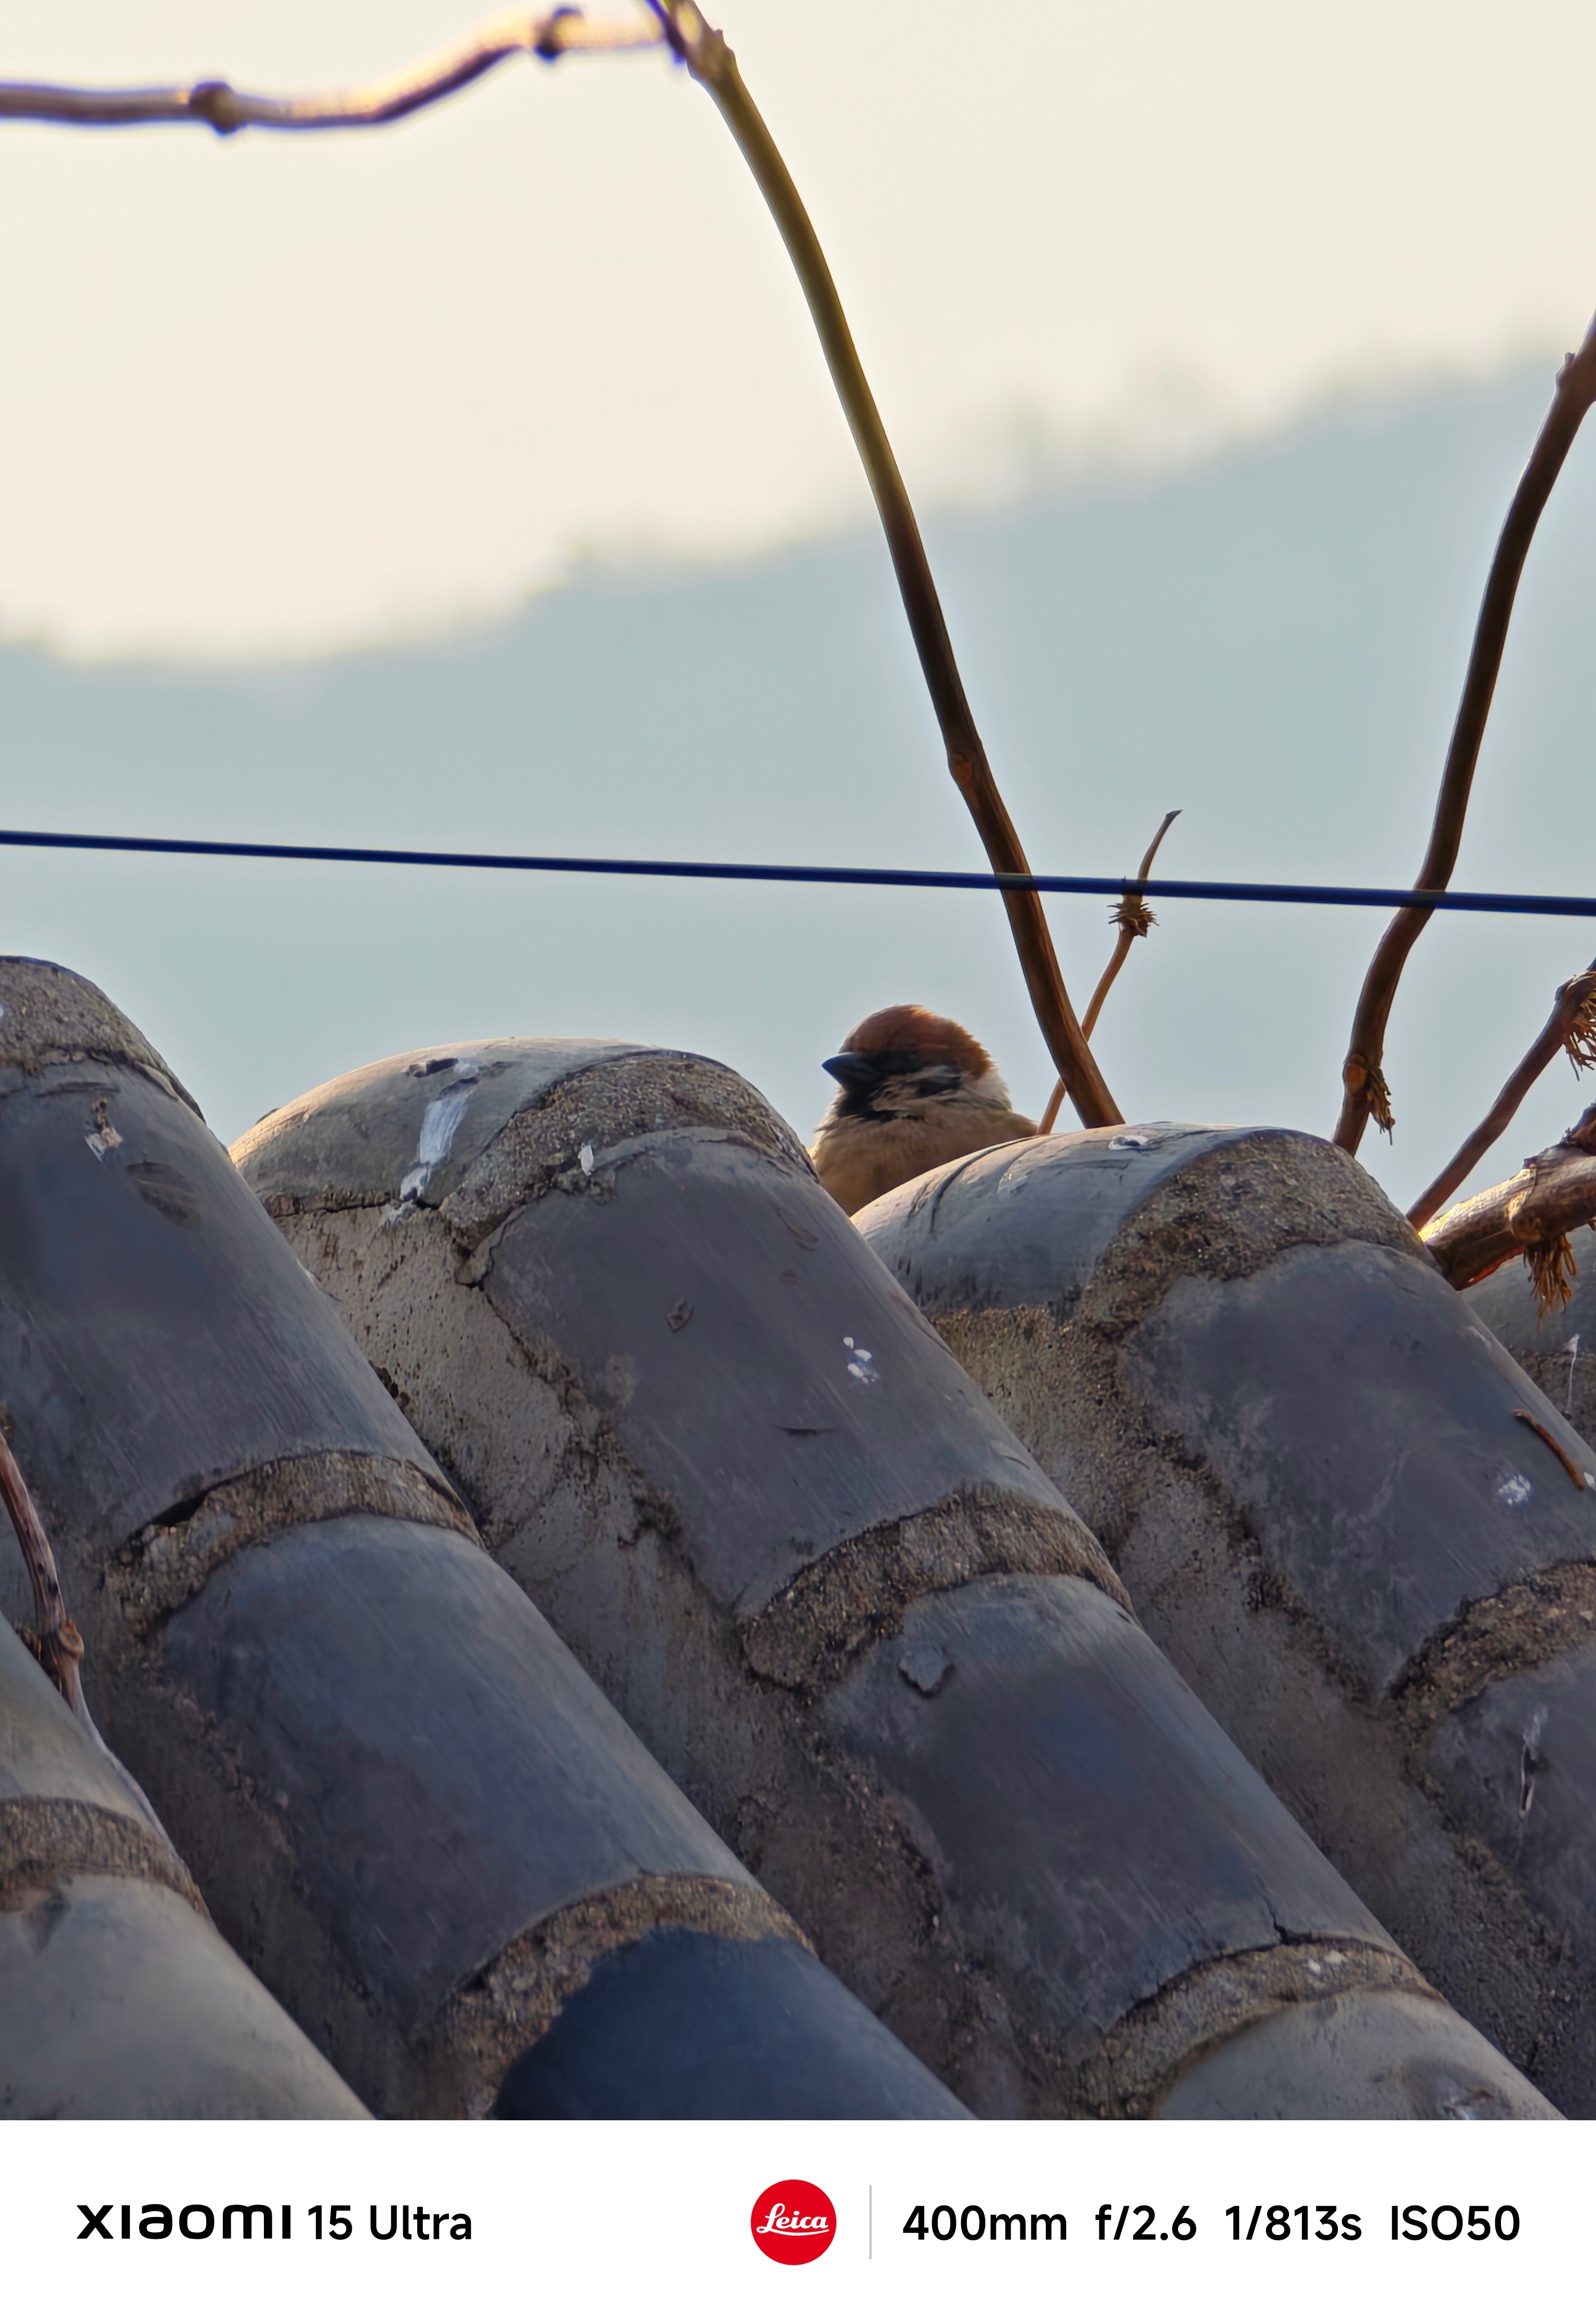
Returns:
(1530, 1216)
(1364, 1089)
(55, 1637)
(56, 1642)
(1571, 1030)
(1575, 1472)
(1132, 919)
(218, 106)
(709, 60)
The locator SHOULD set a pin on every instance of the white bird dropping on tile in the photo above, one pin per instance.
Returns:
(438, 1125)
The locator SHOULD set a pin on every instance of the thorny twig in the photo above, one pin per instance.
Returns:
(1364, 1089)
(704, 52)
(55, 1638)
(1570, 1030)
(214, 103)
(1133, 918)
(709, 60)
(1530, 1217)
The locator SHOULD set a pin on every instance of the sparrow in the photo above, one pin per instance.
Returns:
(916, 1090)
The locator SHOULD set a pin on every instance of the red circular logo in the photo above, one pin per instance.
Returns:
(793, 2221)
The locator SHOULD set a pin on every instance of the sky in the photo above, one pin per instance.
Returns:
(268, 394)
(1210, 340)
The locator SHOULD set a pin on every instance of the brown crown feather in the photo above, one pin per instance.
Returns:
(920, 1030)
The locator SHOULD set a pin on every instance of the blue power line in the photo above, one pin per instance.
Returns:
(829, 875)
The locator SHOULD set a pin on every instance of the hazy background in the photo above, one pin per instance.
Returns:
(477, 485)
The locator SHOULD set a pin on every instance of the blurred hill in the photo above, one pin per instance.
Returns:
(1271, 640)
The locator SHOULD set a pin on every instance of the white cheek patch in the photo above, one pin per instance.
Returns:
(990, 1090)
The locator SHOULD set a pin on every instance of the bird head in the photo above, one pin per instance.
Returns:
(914, 1090)
(906, 1065)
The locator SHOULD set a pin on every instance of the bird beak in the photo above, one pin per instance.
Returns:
(853, 1069)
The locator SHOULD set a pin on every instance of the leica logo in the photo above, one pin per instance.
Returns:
(793, 2221)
